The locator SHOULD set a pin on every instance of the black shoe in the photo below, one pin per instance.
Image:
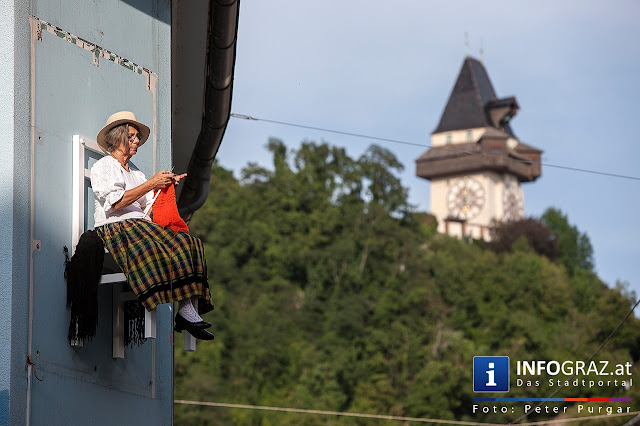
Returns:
(183, 324)
(201, 334)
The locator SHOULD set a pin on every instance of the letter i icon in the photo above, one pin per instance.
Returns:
(491, 373)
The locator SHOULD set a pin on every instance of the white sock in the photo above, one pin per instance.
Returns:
(194, 302)
(185, 308)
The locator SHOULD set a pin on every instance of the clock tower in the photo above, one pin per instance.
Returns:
(476, 163)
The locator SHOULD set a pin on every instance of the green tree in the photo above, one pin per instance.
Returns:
(331, 293)
(574, 248)
(536, 234)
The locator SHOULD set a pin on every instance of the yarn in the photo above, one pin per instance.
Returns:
(165, 211)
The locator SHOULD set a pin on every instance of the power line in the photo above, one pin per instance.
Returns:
(388, 417)
(333, 413)
(576, 169)
(525, 415)
(377, 138)
(581, 419)
(338, 132)
(633, 421)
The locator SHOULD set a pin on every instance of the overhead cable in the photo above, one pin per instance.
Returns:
(388, 417)
(334, 413)
(377, 138)
(338, 132)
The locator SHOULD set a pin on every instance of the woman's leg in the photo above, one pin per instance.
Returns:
(188, 311)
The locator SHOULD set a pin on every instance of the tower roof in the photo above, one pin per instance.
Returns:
(473, 102)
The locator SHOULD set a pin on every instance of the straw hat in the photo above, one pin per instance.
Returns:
(121, 118)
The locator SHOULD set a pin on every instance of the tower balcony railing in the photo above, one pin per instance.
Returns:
(481, 157)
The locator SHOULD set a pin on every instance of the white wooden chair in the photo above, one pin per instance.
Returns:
(111, 272)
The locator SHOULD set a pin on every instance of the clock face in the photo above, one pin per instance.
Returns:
(512, 202)
(466, 198)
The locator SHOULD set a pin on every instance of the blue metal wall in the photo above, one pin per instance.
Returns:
(14, 207)
(7, 20)
(66, 92)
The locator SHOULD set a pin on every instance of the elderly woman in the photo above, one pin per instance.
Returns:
(161, 265)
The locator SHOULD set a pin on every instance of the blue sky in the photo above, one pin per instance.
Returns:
(387, 68)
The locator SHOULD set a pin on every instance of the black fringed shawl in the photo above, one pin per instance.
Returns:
(83, 273)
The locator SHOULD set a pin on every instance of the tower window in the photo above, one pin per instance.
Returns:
(448, 138)
(469, 135)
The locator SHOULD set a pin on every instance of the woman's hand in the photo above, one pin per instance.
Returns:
(158, 181)
(178, 178)
(161, 179)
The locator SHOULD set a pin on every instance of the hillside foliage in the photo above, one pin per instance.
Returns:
(331, 293)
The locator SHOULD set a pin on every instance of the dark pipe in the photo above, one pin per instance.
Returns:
(221, 58)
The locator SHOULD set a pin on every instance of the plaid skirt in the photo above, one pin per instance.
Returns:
(160, 265)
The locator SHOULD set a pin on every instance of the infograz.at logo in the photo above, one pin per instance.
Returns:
(491, 374)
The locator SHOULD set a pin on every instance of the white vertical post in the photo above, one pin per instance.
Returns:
(77, 187)
(189, 342)
(150, 324)
(77, 203)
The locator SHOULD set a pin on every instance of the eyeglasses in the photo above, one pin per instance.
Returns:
(133, 136)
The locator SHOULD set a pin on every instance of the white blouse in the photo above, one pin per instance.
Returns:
(109, 180)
